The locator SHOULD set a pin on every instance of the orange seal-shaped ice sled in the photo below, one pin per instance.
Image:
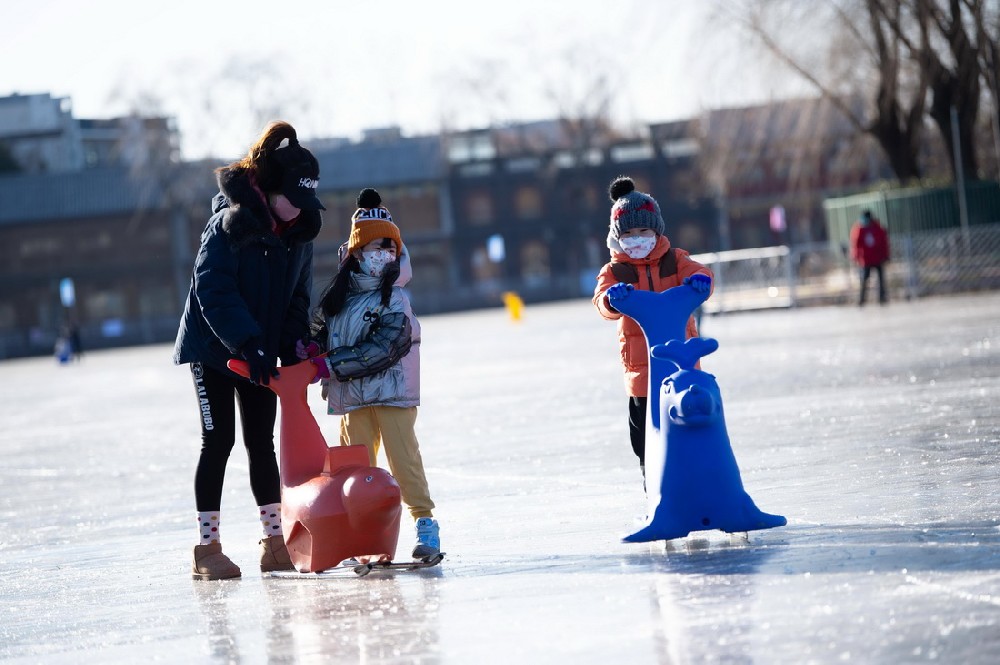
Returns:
(333, 503)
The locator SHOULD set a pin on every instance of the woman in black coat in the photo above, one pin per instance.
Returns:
(249, 299)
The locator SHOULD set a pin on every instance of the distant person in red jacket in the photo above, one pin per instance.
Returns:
(870, 250)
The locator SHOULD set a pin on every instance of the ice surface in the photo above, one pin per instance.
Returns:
(876, 432)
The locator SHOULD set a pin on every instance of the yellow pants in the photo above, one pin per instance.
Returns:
(392, 427)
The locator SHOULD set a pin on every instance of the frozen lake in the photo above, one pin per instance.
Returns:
(875, 431)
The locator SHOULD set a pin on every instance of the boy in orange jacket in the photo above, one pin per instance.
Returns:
(641, 258)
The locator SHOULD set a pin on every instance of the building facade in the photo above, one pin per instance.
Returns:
(532, 215)
(41, 134)
(522, 208)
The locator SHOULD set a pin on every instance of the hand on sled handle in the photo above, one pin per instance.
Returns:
(261, 366)
(619, 291)
(306, 351)
(699, 282)
(322, 369)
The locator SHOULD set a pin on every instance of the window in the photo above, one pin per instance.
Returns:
(105, 305)
(156, 301)
(632, 153)
(535, 268)
(680, 148)
(8, 316)
(479, 209)
(524, 164)
(564, 160)
(593, 157)
(470, 147)
(35, 247)
(485, 273)
(476, 169)
(528, 203)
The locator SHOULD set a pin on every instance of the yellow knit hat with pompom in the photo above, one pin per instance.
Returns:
(372, 221)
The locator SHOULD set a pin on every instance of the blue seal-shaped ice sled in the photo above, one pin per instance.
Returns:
(692, 479)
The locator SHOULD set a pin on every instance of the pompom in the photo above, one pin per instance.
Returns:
(621, 186)
(369, 198)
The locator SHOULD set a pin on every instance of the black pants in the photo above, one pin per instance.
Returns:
(258, 406)
(637, 427)
(866, 272)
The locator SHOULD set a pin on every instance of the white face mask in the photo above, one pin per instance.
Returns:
(637, 247)
(373, 263)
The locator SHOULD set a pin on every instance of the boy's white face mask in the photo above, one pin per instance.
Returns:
(373, 263)
(637, 247)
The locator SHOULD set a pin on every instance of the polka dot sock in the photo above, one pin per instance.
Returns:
(208, 523)
(270, 519)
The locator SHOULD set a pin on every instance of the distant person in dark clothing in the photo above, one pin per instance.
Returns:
(67, 347)
(870, 251)
(75, 346)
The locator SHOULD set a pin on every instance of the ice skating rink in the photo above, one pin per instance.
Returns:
(875, 431)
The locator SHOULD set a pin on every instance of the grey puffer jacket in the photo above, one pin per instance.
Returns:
(374, 356)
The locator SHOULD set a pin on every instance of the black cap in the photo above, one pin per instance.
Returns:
(300, 176)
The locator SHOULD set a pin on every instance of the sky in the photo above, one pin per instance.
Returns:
(335, 69)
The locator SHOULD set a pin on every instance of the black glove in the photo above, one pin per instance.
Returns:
(261, 366)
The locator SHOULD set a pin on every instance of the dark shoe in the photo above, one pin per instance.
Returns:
(274, 555)
(210, 563)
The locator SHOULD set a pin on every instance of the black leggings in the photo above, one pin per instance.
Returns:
(637, 427)
(258, 406)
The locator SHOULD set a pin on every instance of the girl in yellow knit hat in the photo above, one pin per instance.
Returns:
(372, 371)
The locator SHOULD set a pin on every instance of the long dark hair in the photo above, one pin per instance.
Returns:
(335, 294)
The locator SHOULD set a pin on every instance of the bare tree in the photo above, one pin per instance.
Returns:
(861, 59)
(582, 95)
(220, 107)
(482, 86)
(925, 58)
(988, 34)
(575, 83)
(942, 40)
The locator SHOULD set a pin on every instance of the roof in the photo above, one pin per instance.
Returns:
(110, 191)
(87, 193)
(374, 164)
(803, 120)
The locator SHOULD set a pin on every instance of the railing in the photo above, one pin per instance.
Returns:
(922, 263)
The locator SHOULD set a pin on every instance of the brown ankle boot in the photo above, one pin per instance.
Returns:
(211, 564)
(274, 555)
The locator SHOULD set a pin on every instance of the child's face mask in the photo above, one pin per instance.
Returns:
(373, 263)
(637, 247)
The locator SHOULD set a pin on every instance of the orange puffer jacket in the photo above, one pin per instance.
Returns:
(631, 340)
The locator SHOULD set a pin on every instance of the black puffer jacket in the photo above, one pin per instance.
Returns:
(247, 281)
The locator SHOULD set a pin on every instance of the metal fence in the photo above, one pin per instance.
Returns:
(922, 263)
(915, 210)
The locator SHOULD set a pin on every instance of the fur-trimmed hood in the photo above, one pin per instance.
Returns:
(245, 215)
